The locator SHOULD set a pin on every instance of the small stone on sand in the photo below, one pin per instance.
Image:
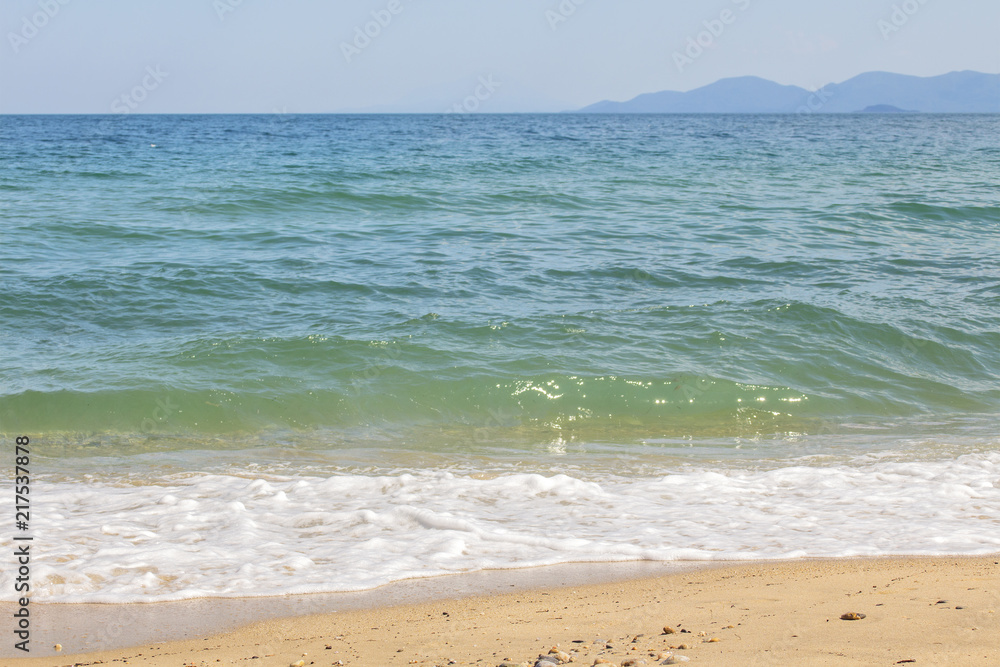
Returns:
(852, 616)
(667, 630)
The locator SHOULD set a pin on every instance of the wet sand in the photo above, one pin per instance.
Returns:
(928, 610)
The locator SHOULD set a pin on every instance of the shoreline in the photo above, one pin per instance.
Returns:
(762, 612)
(87, 627)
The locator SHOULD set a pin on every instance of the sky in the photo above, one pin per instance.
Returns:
(317, 56)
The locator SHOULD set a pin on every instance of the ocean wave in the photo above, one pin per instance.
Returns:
(195, 535)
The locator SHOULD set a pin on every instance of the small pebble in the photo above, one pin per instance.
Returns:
(713, 640)
(561, 656)
(298, 663)
(546, 662)
(601, 661)
(58, 647)
(674, 659)
(684, 647)
(667, 630)
(851, 616)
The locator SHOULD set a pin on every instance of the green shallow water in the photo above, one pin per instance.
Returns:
(454, 283)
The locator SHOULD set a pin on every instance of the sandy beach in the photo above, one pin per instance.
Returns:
(915, 611)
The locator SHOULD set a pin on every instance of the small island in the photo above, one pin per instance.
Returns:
(885, 108)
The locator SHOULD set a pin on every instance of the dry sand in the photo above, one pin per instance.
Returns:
(917, 611)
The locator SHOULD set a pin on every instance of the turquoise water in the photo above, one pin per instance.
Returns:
(324, 296)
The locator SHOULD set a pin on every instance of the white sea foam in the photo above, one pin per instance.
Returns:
(227, 535)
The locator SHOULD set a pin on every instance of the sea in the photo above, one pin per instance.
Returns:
(274, 354)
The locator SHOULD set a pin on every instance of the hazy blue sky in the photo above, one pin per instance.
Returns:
(98, 56)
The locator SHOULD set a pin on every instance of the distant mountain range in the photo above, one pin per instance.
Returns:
(872, 92)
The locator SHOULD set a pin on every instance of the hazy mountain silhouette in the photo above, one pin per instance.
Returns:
(885, 108)
(956, 92)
